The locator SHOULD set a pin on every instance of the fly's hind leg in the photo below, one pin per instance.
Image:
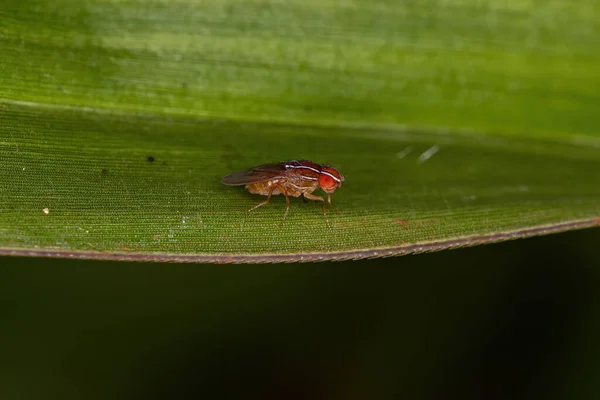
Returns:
(267, 201)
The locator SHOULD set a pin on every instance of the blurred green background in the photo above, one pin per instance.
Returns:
(511, 320)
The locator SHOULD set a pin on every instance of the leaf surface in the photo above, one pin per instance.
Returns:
(454, 124)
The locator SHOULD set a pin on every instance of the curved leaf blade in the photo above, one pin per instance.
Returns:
(92, 174)
(89, 92)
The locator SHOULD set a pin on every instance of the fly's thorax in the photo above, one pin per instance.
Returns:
(303, 169)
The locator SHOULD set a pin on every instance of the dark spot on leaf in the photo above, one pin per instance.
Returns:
(184, 85)
(104, 172)
(164, 163)
(150, 159)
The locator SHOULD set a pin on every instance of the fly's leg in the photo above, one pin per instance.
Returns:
(267, 201)
(331, 204)
(311, 196)
(287, 200)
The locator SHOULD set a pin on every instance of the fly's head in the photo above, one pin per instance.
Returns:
(330, 179)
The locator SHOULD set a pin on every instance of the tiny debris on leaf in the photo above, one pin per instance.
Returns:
(46, 210)
(406, 151)
(427, 154)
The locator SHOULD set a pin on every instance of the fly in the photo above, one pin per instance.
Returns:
(291, 178)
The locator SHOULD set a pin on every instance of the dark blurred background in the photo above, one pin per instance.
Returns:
(513, 320)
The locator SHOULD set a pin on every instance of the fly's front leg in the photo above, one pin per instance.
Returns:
(331, 204)
(311, 196)
(264, 202)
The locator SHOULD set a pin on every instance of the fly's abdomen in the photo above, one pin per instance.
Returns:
(262, 188)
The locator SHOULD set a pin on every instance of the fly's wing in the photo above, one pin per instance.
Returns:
(253, 175)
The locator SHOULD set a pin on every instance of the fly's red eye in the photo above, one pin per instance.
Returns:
(326, 182)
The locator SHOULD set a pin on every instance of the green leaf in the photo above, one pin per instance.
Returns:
(453, 123)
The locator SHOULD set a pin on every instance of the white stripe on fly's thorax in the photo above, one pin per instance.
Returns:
(304, 166)
(314, 170)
